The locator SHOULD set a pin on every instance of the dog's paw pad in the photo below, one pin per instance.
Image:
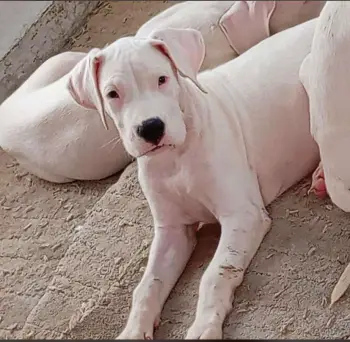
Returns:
(318, 184)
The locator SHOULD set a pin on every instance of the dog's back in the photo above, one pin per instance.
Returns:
(266, 97)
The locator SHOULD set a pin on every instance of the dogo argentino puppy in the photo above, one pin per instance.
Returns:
(58, 141)
(217, 147)
(325, 74)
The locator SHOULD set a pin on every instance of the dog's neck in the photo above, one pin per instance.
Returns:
(194, 110)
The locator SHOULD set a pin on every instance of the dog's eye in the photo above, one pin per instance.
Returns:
(161, 80)
(113, 94)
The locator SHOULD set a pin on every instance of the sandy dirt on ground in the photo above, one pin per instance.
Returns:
(71, 255)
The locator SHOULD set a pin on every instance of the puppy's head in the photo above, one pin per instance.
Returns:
(136, 82)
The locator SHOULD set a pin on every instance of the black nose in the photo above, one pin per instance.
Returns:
(152, 130)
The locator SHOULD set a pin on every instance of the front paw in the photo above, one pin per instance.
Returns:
(201, 330)
(139, 330)
(136, 333)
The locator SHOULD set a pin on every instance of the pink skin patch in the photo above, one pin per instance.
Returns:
(318, 185)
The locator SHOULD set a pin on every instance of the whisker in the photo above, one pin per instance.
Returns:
(114, 142)
(115, 139)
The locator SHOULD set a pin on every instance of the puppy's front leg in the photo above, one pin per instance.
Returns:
(170, 250)
(241, 236)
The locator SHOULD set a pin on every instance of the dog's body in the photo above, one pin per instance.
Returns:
(221, 156)
(230, 28)
(203, 16)
(50, 135)
(326, 78)
(58, 141)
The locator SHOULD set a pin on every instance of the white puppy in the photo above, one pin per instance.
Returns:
(58, 141)
(219, 147)
(325, 73)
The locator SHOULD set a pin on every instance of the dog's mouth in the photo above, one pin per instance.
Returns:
(155, 149)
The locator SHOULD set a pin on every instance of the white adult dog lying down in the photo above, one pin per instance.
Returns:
(58, 141)
(217, 148)
(325, 73)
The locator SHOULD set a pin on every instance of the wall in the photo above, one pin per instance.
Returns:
(31, 32)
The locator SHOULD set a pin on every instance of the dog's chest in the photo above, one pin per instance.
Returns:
(191, 189)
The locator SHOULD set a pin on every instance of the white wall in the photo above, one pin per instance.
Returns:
(31, 32)
(15, 18)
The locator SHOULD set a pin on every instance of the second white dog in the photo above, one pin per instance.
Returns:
(326, 77)
(217, 147)
(325, 73)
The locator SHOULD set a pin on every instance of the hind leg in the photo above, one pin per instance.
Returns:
(42, 173)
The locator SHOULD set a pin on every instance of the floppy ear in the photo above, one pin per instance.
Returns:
(184, 47)
(83, 83)
(246, 23)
